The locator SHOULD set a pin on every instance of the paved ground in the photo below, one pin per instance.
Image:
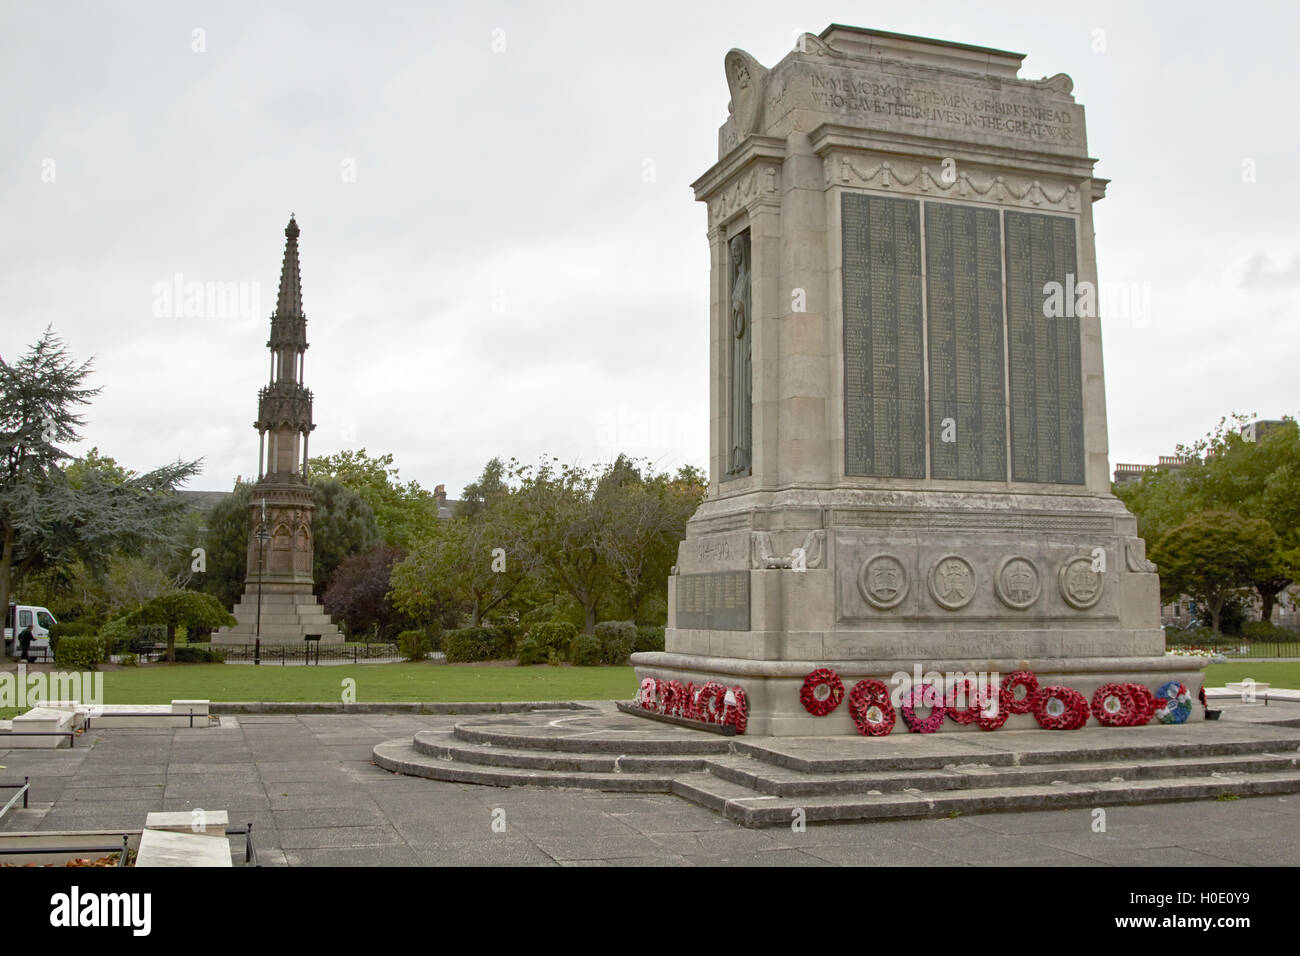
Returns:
(307, 785)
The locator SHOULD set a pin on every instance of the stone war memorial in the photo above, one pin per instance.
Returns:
(909, 537)
(278, 605)
(908, 464)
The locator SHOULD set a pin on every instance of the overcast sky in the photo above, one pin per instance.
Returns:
(486, 269)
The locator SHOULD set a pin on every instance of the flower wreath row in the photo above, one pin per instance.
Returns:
(1054, 707)
(712, 703)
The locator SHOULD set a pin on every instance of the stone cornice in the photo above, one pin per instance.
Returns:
(752, 149)
(1026, 162)
(933, 179)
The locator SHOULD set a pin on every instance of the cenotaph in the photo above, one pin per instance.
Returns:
(908, 464)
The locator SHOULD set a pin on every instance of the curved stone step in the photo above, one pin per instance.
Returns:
(589, 733)
(443, 745)
(749, 808)
(400, 756)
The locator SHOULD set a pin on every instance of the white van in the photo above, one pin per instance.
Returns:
(28, 615)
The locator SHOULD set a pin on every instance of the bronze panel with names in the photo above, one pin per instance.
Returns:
(884, 376)
(1046, 374)
(963, 253)
(716, 601)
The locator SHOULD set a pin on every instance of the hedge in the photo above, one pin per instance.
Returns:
(554, 636)
(617, 641)
(649, 637)
(79, 652)
(585, 650)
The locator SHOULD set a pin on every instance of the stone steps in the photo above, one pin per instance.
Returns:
(400, 756)
(781, 782)
(759, 782)
(446, 746)
(749, 808)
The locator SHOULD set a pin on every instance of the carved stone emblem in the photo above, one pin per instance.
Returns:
(1081, 586)
(1017, 584)
(952, 582)
(883, 582)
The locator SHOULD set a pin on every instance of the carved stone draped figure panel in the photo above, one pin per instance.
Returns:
(742, 339)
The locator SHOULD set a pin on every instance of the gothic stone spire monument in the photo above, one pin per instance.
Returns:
(908, 452)
(281, 565)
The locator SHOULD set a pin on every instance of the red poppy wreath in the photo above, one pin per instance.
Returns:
(870, 708)
(822, 692)
(924, 696)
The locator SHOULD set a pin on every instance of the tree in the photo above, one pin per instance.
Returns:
(343, 524)
(1212, 555)
(643, 518)
(188, 609)
(358, 593)
(478, 559)
(404, 512)
(558, 525)
(227, 546)
(48, 518)
(1224, 472)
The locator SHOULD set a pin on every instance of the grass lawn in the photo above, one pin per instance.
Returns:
(1279, 674)
(374, 682)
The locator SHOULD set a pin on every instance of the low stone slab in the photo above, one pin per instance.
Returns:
(178, 848)
(43, 722)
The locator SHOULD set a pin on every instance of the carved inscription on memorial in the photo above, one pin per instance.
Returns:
(1043, 352)
(716, 601)
(884, 380)
(963, 255)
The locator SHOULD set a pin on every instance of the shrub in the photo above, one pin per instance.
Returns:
(501, 641)
(531, 652)
(1267, 631)
(199, 654)
(79, 652)
(617, 641)
(554, 636)
(1193, 637)
(649, 637)
(585, 650)
(414, 645)
(467, 644)
(69, 629)
(116, 634)
(130, 660)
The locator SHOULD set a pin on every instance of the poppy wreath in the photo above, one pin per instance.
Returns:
(1173, 703)
(991, 711)
(965, 692)
(737, 710)
(819, 705)
(1114, 705)
(1019, 705)
(1144, 704)
(674, 698)
(1060, 708)
(924, 696)
(870, 708)
(711, 703)
(689, 710)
